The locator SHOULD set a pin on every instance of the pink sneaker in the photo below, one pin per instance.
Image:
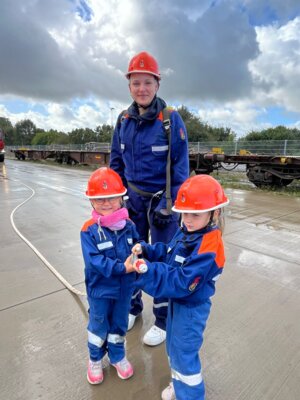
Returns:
(168, 393)
(94, 372)
(124, 368)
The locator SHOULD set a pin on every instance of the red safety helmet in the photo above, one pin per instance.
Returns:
(103, 183)
(198, 194)
(143, 63)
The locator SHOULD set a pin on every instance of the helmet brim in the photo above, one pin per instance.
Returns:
(108, 196)
(193, 211)
(142, 72)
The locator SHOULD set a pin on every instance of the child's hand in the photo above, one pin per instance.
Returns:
(137, 249)
(128, 265)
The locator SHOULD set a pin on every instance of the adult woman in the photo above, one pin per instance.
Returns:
(145, 155)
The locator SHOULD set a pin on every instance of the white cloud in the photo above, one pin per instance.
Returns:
(240, 116)
(211, 56)
(65, 117)
(277, 68)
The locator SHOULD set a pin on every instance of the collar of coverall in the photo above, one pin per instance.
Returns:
(206, 229)
(155, 107)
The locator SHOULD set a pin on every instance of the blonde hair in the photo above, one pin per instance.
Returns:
(219, 219)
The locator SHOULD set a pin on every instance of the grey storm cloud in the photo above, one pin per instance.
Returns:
(32, 62)
(209, 56)
(203, 50)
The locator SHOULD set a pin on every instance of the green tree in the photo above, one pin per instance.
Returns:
(50, 137)
(81, 136)
(195, 128)
(25, 131)
(220, 134)
(278, 133)
(104, 133)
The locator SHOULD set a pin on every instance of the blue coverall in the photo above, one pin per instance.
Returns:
(139, 155)
(185, 271)
(109, 288)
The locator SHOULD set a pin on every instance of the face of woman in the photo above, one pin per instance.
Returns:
(195, 222)
(143, 88)
(106, 206)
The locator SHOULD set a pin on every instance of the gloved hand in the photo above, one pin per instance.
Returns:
(162, 217)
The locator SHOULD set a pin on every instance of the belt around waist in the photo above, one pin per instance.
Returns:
(142, 192)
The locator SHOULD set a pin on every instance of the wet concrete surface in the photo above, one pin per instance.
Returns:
(251, 349)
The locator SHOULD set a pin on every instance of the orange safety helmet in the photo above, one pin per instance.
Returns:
(104, 183)
(143, 63)
(199, 194)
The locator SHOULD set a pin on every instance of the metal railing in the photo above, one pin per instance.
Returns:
(268, 147)
(94, 146)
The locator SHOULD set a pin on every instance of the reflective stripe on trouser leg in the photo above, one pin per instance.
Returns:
(97, 327)
(160, 311)
(186, 324)
(114, 338)
(96, 346)
(95, 340)
(190, 380)
(118, 328)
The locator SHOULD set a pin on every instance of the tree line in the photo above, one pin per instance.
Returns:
(25, 132)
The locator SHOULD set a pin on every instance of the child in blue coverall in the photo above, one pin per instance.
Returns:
(185, 271)
(106, 241)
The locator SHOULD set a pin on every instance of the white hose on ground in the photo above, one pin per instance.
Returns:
(46, 262)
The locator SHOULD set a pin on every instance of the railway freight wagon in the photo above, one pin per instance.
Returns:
(261, 169)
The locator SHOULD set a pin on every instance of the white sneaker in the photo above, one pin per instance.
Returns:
(168, 393)
(154, 336)
(131, 321)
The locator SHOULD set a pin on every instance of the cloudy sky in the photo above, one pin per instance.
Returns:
(234, 63)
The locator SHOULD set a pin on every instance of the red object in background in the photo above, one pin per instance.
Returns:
(1, 140)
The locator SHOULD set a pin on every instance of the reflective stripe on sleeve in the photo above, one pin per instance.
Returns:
(190, 380)
(95, 340)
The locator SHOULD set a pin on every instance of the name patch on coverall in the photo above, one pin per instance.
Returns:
(105, 245)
